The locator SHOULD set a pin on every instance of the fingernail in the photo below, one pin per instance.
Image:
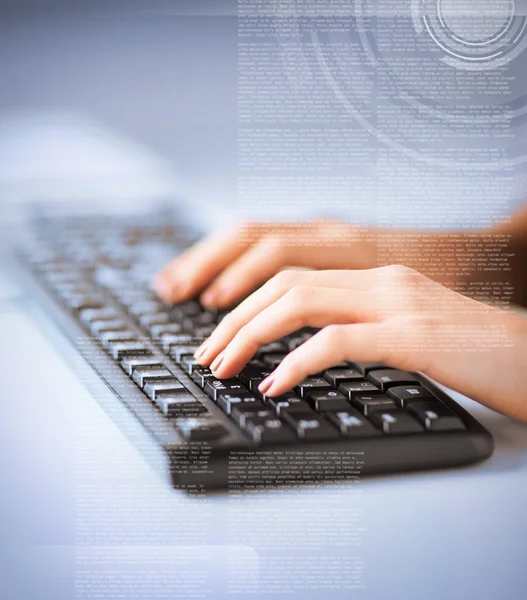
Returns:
(266, 384)
(201, 351)
(217, 362)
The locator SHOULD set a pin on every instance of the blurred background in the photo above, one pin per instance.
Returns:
(134, 99)
(117, 97)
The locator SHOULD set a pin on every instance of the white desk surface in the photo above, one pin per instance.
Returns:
(80, 506)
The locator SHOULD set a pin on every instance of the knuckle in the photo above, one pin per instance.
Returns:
(297, 301)
(299, 295)
(283, 281)
(399, 272)
(331, 335)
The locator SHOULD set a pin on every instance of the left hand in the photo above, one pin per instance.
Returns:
(390, 314)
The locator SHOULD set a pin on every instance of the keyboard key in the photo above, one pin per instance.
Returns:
(251, 376)
(395, 422)
(282, 405)
(88, 315)
(273, 360)
(148, 320)
(227, 401)
(337, 376)
(386, 378)
(119, 350)
(435, 416)
(186, 309)
(183, 352)
(159, 329)
(135, 298)
(200, 429)
(168, 340)
(341, 365)
(83, 301)
(351, 423)
(310, 426)
(137, 309)
(179, 404)
(172, 387)
(97, 327)
(367, 403)
(241, 412)
(350, 389)
(124, 335)
(204, 318)
(200, 375)
(146, 375)
(325, 400)
(294, 341)
(133, 362)
(214, 387)
(404, 394)
(265, 430)
(284, 396)
(66, 291)
(365, 367)
(203, 332)
(188, 364)
(256, 363)
(311, 383)
(274, 347)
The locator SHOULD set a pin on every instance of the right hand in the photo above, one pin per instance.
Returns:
(225, 268)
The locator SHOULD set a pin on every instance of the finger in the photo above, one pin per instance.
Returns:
(328, 347)
(316, 245)
(303, 306)
(277, 287)
(190, 272)
(249, 271)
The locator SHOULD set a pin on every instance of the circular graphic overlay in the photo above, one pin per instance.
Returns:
(446, 67)
(474, 36)
(465, 22)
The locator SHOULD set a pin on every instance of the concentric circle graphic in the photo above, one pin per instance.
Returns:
(455, 68)
(474, 36)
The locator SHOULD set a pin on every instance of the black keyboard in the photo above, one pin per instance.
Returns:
(93, 274)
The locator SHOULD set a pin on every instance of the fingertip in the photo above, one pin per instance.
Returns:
(273, 385)
(202, 353)
(215, 367)
(266, 385)
(171, 287)
(227, 296)
(219, 297)
(163, 286)
(208, 299)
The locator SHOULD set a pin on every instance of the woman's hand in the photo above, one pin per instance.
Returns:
(390, 314)
(225, 268)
